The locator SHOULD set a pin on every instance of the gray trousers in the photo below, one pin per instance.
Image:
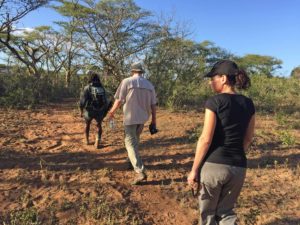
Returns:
(132, 138)
(221, 186)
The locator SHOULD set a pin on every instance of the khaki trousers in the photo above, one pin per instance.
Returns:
(132, 138)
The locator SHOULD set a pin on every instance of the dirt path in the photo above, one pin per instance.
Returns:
(46, 171)
(51, 140)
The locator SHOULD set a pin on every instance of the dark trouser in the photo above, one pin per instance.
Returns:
(89, 116)
(221, 186)
(98, 115)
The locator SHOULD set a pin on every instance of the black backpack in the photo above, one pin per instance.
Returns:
(98, 99)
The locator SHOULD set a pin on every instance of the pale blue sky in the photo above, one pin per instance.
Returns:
(265, 27)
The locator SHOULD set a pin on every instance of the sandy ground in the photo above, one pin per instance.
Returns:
(46, 167)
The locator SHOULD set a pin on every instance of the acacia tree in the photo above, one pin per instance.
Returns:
(296, 72)
(26, 48)
(64, 51)
(210, 53)
(72, 50)
(177, 63)
(259, 64)
(11, 11)
(173, 63)
(54, 42)
(114, 31)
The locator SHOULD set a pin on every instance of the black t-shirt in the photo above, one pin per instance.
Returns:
(233, 112)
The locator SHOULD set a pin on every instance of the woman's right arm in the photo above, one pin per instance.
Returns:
(203, 144)
(249, 133)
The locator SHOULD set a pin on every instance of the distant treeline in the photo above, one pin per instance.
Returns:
(47, 63)
(270, 94)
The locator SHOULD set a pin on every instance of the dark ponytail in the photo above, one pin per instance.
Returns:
(242, 81)
(94, 79)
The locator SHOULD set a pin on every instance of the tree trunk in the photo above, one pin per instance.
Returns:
(68, 78)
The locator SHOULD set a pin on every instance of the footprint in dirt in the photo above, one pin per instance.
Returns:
(56, 145)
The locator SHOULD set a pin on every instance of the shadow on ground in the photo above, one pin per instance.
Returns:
(285, 221)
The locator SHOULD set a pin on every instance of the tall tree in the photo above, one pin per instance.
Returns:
(71, 52)
(296, 72)
(174, 61)
(114, 31)
(211, 53)
(26, 48)
(11, 11)
(260, 64)
(54, 42)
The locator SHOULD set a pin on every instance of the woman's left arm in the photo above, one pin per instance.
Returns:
(203, 144)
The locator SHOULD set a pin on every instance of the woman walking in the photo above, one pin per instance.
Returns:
(220, 161)
(94, 104)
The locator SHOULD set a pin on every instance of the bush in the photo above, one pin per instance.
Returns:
(186, 96)
(269, 94)
(20, 91)
(275, 94)
(286, 138)
(27, 216)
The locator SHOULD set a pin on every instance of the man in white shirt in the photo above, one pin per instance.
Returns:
(138, 97)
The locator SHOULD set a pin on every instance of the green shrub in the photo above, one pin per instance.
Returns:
(27, 216)
(281, 119)
(269, 94)
(275, 94)
(286, 138)
(186, 96)
(21, 91)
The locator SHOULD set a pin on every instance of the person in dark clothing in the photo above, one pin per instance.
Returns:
(220, 162)
(94, 104)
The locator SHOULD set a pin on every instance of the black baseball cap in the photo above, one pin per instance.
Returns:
(226, 67)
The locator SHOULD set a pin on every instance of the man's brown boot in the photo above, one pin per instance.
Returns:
(139, 178)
